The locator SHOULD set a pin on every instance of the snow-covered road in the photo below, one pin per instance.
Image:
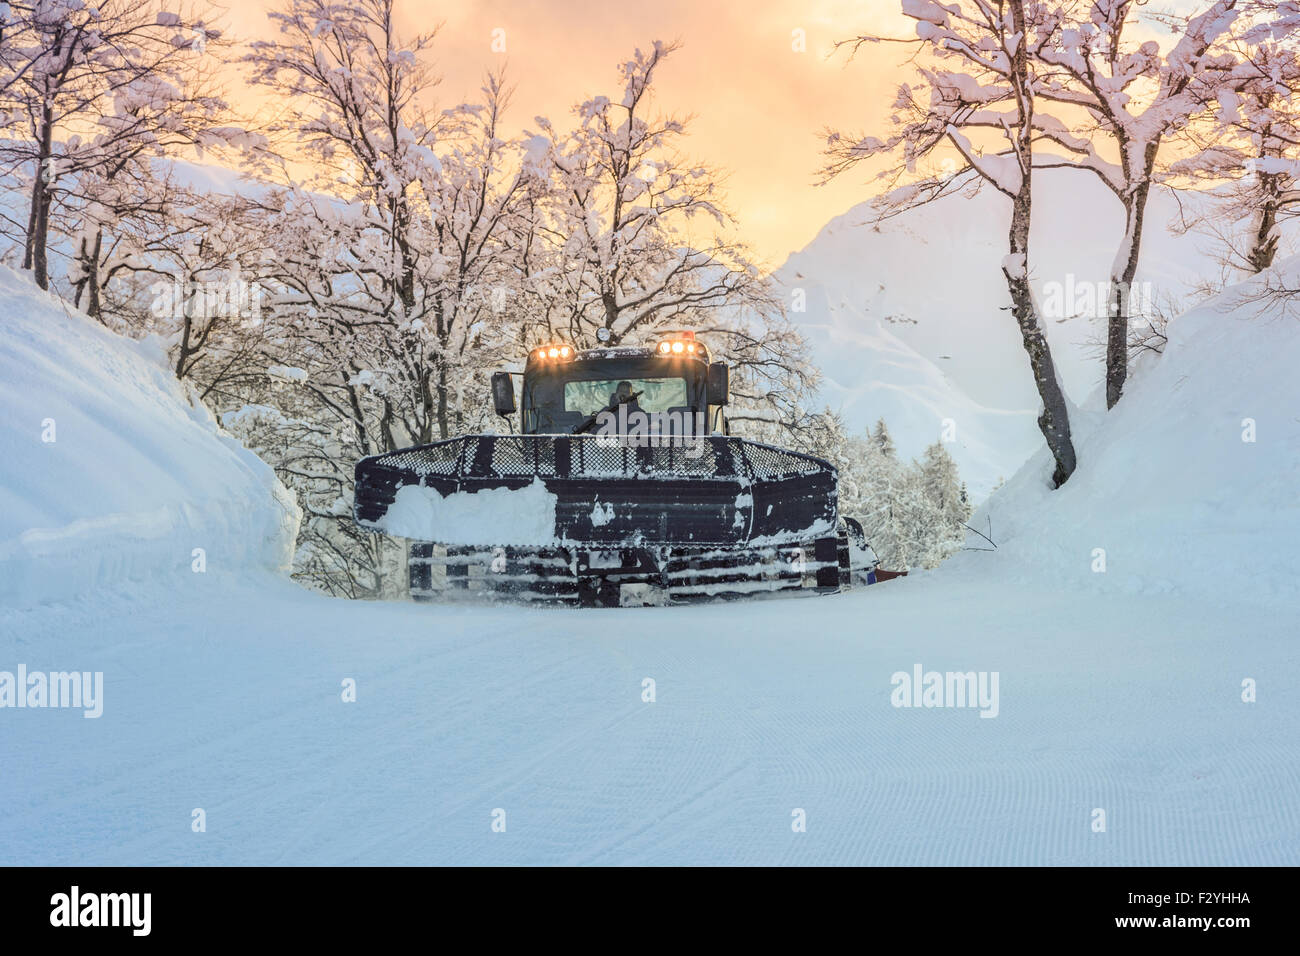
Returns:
(231, 701)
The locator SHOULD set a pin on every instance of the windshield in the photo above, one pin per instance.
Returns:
(562, 398)
(646, 394)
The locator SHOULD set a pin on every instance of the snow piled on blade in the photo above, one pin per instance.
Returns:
(1188, 485)
(493, 516)
(110, 472)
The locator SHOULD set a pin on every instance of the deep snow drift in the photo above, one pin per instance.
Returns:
(698, 734)
(909, 321)
(1191, 484)
(111, 473)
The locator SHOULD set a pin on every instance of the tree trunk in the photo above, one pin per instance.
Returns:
(1122, 275)
(29, 239)
(94, 306)
(426, 416)
(1054, 420)
(183, 353)
(362, 435)
(443, 431)
(1263, 247)
(41, 242)
(35, 252)
(90, 277)
(386, 427)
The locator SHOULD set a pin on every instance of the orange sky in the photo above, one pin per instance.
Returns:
(758, 104)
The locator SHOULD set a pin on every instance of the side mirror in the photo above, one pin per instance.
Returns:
(503, 393)
(856, 534)
(719, 383)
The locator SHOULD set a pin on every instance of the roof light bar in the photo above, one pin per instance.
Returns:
(682, 343)
(552, 352)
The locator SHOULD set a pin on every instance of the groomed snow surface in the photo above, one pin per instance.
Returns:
(1119, 690)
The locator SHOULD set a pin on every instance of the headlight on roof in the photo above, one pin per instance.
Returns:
(556, 351)
(682, 343)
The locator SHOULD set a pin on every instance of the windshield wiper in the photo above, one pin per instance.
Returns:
(591, 420)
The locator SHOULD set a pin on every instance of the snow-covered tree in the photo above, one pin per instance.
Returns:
(880, 435)
(1119, 93)
(913, 513)
(977, 97)
(195, 267)
(90, 91)
(392, 267)
(392, 255)
(942, 488)
(1247, 147)
(640, 228)
(632, 238)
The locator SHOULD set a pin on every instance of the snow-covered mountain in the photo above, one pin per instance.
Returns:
(908, 319)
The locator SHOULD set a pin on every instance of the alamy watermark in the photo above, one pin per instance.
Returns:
(922, 688)
(231, 298)
(635, 428)
(76, 908)
(60, 689)
(1079, 298)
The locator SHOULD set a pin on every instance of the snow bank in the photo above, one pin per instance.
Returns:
(109, 473)
(494, 516)
(1190, 484)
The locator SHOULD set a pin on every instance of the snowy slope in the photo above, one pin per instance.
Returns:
(1190, 483)
(907, 320)
(136, 475)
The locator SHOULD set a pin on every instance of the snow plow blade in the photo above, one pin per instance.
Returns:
(717, 491)
(584, 520)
